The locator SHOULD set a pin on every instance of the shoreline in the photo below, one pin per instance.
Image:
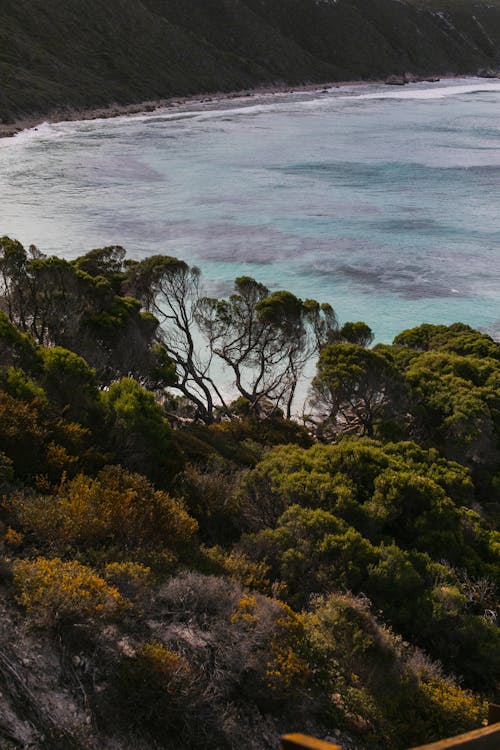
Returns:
(8, 130)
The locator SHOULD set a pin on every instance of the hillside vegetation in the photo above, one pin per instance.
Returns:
(84, 53)
(183, 570)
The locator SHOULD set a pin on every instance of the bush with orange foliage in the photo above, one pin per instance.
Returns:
(53, 591)
(117, 508)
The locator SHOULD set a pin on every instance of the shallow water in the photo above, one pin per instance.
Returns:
(383, 201)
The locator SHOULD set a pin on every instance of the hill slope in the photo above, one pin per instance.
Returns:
(84, 53)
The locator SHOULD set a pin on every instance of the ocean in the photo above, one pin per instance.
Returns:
(381, 200)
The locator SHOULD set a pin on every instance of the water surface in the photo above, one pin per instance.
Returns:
(383, 201)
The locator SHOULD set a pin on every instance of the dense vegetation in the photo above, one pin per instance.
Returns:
(184, 567)
(199, 570)
(83, 53)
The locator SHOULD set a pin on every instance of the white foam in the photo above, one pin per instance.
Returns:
(207, 114)
(272, 102)
(438, 90)
(44, 130)
(161, 115)
(26, 135)
(41, 128)
(414, 91)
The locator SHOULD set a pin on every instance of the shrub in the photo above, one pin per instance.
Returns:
(34, 440)
(6, 473)
(210, 495)
(256, 643)
(346, 635)
(132, 580)
(311, 551)
(454, 710)
(156, 692)
(376, 682)
(269, 431)
(16, 348)
(138, 432)
(54, 591)
(21, 435)
(13, 538)
(429, 709)
(69, 382)
(287, 670)
(237, 565)
(115, 509)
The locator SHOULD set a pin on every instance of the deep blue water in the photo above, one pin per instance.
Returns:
(383, 201)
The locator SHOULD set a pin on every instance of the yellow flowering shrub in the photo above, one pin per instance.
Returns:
(58, 459)
(130, 578)
(273, 646)
(429, 709)
(287, 668)
(443, 709)
(13, 538)
(166, 664)
(237, 565)
(117, 508)
(54, 591)
(244, 612)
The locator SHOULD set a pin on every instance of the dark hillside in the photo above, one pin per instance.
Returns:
(375, 37)
(84, 53)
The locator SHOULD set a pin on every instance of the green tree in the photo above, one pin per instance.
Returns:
(356, 333)
(457, 406)
(171, 289)
(356, 391)
(70, 383)
(458, 338)
(108, 262)
(59, 303)
(265, 339)
(415, 510)
(16, 349)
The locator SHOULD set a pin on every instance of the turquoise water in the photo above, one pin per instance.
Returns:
(383, 201)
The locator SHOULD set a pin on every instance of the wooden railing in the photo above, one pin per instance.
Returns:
(303, 742)
(486, 738)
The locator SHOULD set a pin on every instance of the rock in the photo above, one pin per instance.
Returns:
(396, 81)
(488, 73)
(403, 78)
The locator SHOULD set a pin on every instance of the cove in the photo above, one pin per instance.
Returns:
(382, 201)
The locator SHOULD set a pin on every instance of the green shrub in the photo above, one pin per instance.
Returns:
(138, 432)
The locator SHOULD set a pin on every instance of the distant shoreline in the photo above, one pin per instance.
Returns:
(144, 107)
(119, 110)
